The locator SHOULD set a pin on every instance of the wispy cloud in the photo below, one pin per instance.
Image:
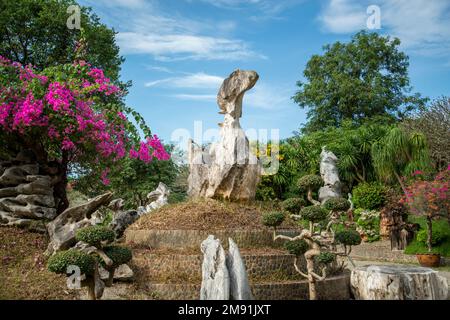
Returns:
(196, 97)
(192, 81)
(423, 26)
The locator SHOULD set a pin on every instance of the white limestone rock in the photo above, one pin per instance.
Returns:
(397, 282)
(228, 169)
(158, 197)
(215, 276)
(239, 285)
(330, 176)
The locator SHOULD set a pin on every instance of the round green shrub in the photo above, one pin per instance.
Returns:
(293, 205)
(310, 181)
(314, 213)
(437, 236)
(272, 219)
(369, 195)
(296, 247)
(325, 257)
(119, 255)
(94, 235)
(59, 262)
(348, 237)
(337, 204)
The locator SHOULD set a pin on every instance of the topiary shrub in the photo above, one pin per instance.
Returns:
(119, 255)
(310, 181)
(95, 235)
(313, 213)
(438, 236)
(348, 237)
(337, 204)
(369, 195)
(293, 205)
(296, 247)
(273, 219)
(59, 262)
(325, 257)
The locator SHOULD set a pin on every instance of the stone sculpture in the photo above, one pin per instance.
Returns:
(330, 176)
(397, 282)
(228, 169)
(62, 229)
(224, 276)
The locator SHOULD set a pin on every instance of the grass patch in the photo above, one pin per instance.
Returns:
(440, 226)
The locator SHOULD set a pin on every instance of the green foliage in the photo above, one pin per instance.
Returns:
(348, 237)
(311, 181)
(437, 236)
(368, 223)
(293, 205)
(419, 247)
(59, 262)
(369, 195)
(95, 235)
(273, 219)
(361, 79)
(35, 31)
(337, 204)
(314, 213)
(119, 255)
(296, 247)
(325, 257)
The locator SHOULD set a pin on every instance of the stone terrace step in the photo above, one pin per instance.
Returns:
(193, 238)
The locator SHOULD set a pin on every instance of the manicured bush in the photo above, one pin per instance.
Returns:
(273, 219)
(348, 237)
(311, 181)
(59, 262)
(369, 196)
(296, 247)
(119, 255)
(293, 205)
(314, 213)
(325, 257)
(337, 204)
(95, 235)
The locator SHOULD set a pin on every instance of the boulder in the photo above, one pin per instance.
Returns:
(215, 277)
(122, 220)
(158, 197)
(227, 169)
(62, 229)
(239, 285)
(15, 175)
(397, 282)
(330, 176)
(122, 273)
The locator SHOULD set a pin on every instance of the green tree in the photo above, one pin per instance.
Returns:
(354, 81)
(36, 32)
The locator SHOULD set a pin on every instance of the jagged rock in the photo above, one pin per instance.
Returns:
(116, 204)
(239, 285)
(15, 175)
(330, 176)
(215, 277)
(122, 220)
(227, 169)
(122, 273)
(20, 208)
(9, 219)
(62, 230)
(158, 197)
(397, 282)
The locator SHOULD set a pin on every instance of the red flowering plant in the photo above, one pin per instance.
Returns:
(69, 115)
(429, 198)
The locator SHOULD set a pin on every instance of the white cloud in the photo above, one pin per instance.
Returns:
(423, 26)
(196, 97)
(192, 81)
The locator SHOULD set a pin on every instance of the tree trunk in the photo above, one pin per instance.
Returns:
(91, 288)
(430, 232)
(109, 281)
(311, 279)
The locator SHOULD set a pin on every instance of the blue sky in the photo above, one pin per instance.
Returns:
(178, 52)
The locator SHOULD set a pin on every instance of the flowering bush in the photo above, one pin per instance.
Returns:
(368, 224)
(429, 198)
(70, 114)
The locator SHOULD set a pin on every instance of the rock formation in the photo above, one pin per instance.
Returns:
(26, 196)
(330, 176)
(228, 169)
(121, 221)
(239, 285)
(62, 229)
(215, 276)
(397, 282)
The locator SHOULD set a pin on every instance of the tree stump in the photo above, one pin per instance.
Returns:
(397, 282)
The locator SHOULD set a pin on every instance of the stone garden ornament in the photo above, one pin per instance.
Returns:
(227, 169)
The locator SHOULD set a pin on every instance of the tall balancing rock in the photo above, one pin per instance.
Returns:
(227, 170)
